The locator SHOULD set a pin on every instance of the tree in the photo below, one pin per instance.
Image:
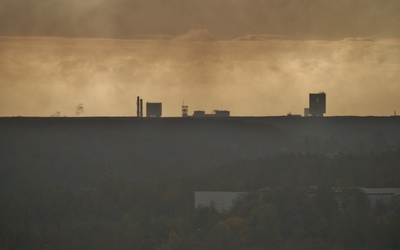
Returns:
(264, 226)
(230, 233)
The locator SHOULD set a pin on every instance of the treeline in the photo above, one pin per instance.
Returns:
(278, 212)
(289, 218)
(74, 152)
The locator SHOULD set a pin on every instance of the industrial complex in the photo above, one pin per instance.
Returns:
(317, 107)
(153, 109)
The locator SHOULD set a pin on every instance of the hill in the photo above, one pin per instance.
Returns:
(76, 152)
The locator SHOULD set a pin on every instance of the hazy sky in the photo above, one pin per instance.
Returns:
(252, 57)
(226, 19)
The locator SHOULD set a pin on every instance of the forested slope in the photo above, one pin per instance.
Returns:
(127, 183)
(279, 212)
(75, 152)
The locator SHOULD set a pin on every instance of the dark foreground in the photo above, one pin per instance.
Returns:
(75, 152)
(128, 183)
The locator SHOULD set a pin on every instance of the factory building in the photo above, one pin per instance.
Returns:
(317, 104)
(199, 113)
(222, 113)
(217, 113)
(153, 109)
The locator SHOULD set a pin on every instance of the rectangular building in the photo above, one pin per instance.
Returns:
(222, 201)
(153, 109)
(222, 113)
(199, 113)
(317, 104)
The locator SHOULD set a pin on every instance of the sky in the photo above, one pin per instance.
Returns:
(252, 57)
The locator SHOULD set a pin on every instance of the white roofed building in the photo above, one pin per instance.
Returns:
(222, 201)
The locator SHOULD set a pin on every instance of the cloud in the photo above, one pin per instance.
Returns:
(152, 37)
(196, 35)
(359, 39)
(260, 37)
(225, 19)
(39, 76)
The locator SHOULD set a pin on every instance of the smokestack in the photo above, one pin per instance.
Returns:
(138, 106)
(141, 107)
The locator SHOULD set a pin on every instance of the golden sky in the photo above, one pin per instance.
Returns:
(253, 58)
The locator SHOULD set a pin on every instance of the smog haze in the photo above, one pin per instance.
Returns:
(253, 58)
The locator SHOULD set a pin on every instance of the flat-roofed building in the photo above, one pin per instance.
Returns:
(153, 109)
(384, 195)
(317, 104)
(199, 113)
(222, 113)
(222, 201)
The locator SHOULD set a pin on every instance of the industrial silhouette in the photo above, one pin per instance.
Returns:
(139, 107)
(217, 113)
(153, 109)
(317, 105)
(185, 110)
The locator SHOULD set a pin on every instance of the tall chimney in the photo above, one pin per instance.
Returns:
(141, 107)
(138, 106)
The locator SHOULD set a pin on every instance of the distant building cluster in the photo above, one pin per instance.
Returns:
(217, 113)
(202, 113)
(317, 107)
(154, 109)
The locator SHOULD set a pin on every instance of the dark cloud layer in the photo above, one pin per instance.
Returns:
(225, 19)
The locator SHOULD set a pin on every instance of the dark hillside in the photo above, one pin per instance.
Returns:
(76, 152)
(128, 183)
